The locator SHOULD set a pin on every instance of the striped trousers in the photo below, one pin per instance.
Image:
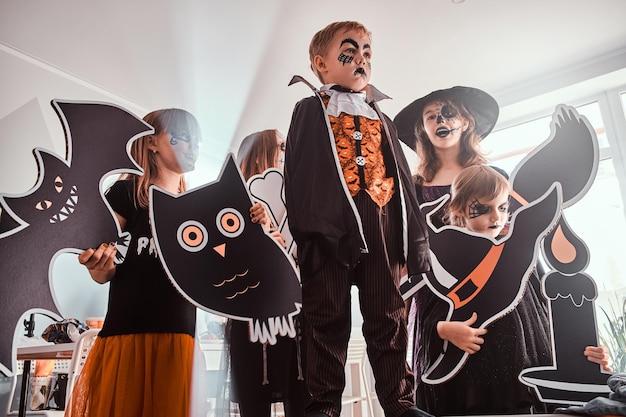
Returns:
(326, 312)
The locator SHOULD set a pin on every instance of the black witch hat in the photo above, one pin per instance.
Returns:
(481, 105)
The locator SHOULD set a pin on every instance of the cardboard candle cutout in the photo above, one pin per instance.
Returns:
(64, 212)
(269, 189)
(570, 156)
(221, 261)
(476, 273)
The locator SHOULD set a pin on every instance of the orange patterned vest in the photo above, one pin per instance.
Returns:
(359, 147)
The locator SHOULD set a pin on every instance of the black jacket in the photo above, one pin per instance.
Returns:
(322, 216)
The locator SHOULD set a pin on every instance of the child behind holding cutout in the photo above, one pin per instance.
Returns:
(488, 383)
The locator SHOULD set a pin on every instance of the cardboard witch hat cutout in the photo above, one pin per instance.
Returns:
(64, 212)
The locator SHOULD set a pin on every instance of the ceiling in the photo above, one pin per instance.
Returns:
(229, 62)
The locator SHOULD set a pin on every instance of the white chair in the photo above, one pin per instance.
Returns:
(81, 351)
(359, 391)
(72, 367)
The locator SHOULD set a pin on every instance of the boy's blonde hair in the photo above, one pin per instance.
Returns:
(478, 182)
(322, 39)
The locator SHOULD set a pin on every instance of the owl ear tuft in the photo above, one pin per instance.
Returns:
(230, 171)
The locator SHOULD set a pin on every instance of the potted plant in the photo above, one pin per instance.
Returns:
(613, 335)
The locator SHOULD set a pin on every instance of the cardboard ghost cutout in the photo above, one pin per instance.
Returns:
(64, 212)
(475, 273)
(221, 261)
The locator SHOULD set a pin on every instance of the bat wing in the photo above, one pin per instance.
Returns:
(64, 212)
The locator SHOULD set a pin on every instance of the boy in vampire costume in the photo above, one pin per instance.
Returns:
(354, 215)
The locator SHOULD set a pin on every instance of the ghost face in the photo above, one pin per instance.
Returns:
(488, 217)
(348, 61)
(443, 125)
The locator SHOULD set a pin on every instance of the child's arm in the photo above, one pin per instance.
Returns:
(599, 355)
(100, 262)
(461, 334)
(259, 214)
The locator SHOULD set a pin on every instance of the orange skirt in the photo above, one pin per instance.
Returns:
(137, 375)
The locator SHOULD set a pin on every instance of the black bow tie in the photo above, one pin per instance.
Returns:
(337, 87)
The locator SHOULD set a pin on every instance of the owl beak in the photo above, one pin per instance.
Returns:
(221, 249)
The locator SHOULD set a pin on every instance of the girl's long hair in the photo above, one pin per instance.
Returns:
(258, 152)
(469, 153)
(165, 120)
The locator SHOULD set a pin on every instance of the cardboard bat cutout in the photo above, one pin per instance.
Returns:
(221, 261)
(64, 212)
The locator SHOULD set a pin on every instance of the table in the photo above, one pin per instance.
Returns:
(48, 351)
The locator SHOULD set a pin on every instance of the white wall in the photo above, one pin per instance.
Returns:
(27, 120)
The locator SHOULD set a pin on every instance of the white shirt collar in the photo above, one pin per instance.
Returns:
(349, 102)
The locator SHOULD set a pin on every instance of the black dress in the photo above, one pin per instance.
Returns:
(262, 374)
(488, 382)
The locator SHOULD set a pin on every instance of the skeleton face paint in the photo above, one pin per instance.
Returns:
(442, 120)
(447, 112)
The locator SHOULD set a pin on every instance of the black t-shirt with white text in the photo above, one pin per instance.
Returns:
(141, 297)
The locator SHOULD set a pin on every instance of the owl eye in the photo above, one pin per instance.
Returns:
(58, 184)
(192, 236)
(230, 222)
(43, 205)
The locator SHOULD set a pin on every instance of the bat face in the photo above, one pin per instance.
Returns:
(217, 257)
(65, 211)
(53, 202)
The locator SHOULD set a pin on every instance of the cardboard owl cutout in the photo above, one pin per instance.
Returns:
(555, 175)
(221, 261)
(64, 212)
